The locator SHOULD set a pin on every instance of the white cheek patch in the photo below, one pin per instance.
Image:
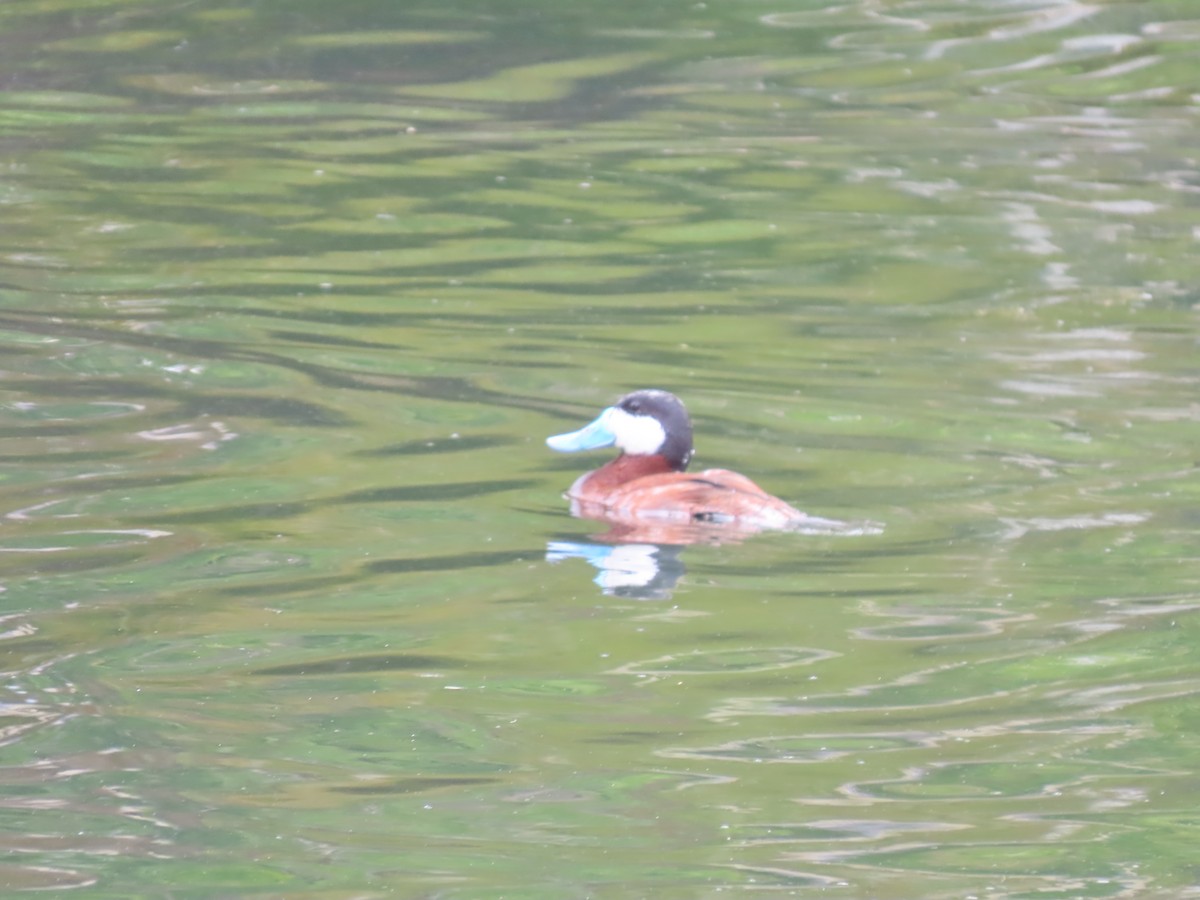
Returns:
(636, 435)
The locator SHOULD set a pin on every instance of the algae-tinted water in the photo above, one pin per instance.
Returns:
(290, 294)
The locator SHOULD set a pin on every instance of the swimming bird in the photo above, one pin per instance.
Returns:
(648, 479)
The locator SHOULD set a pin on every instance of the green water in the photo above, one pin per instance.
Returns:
(290, 295)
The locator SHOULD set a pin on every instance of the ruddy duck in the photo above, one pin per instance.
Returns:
(647, 480)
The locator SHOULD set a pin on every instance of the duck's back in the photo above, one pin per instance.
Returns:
(713, 495)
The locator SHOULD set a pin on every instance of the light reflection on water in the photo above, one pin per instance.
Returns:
(639, 571)
(293, 602)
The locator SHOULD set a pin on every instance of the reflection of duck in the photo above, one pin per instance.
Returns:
(637, 571)
(647, 485)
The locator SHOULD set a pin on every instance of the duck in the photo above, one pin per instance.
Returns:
(649, 481)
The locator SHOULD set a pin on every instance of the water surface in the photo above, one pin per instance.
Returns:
(290, 295)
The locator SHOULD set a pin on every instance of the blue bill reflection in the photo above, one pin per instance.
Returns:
(633, 571)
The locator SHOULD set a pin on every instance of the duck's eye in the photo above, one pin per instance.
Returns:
(633, 406)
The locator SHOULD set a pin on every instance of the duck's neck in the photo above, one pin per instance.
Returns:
(623, 469)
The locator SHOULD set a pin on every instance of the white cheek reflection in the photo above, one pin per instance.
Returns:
(637, 571)
(637, 435)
